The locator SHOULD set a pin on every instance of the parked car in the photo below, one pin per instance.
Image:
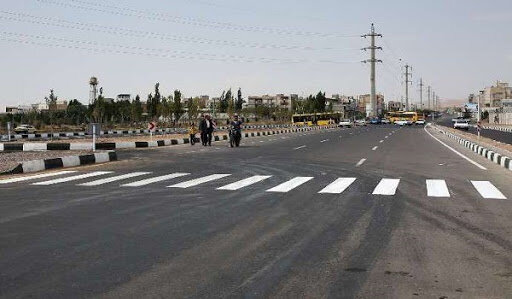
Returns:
(375, 121)
(385, 121)
(360, 122)
(400, 122)
(420, 122)
(345, 123)
(25, 129)
(461, 124)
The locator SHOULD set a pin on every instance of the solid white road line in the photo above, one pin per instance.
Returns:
(437, 188)
(302, 146)
(453, 150)
(155, 179)
(198, 181)
(338, 186)
(488, 190)
(245, 182)
(386, 187)
(325, 140)
(37, 176)
(113, 179)
(375, 148)
(72, 178)
(290, 185)
(360, 162)
(381, 141)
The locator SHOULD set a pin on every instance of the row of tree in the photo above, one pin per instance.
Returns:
(170, 109)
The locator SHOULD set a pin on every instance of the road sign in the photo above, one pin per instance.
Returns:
(152, 126)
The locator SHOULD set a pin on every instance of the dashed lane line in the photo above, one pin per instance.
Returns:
(375, 148)
(360, 162)
(300, 147)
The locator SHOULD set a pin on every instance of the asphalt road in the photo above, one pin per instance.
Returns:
(504, 137)
(342, 213)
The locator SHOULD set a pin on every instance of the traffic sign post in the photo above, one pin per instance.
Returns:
(151, 128)
(94, 128)
(9, 131)
(478, 128)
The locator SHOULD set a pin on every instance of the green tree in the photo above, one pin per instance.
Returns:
(239, 101)
(136, 109)
(193, 108)
(76, 112)
(178, 105)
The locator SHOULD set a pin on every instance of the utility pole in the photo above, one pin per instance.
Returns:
(428, 93)
(407, 81)
(421, 93)
(433, 105)
(372, 61)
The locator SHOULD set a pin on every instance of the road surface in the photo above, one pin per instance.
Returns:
(367, 212)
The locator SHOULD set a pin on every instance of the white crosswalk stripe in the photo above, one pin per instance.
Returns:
(72, 178)
(386, 187)
(338, 186)
(199, 181)
(113, 179)
(488, 190)
(290, 185)
(245, 182)
(34, 177)
(155, 179)
(437, 188)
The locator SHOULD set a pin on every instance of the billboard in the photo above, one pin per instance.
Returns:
(471, 107)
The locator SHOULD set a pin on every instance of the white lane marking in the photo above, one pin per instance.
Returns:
(325, 140)
(113, 179)
(437, 188)
(351, 133)
(290, 185)
(338, 186)
(375, 148)
(245, 182)
(386, 137)
(72, 178)
(488, 190)
(455, 151)
(155, 179)
(360, 162)
(262, 141)
(198, 181)
(386, 187)
(381, 141)
(33, 177)
(302, 146)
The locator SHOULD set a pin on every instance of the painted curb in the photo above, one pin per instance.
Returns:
(18, 147)
(68, 161)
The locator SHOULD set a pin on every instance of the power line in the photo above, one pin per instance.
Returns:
(154, 51)
(20, 17)
(123, 11)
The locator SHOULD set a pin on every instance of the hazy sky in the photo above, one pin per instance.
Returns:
(264, 46)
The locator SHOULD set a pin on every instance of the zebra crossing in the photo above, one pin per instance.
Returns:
(435, 188)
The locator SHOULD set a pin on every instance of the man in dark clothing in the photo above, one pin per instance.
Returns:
(206, 128)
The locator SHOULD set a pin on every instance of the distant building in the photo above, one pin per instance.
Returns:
(394, 106)
(124, 97)
(363, 103)
(280, 101)
(493, 95)
(42, 106)
(18, 109)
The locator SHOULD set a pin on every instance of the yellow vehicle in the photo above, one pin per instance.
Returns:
(408, 116)
(320, 119)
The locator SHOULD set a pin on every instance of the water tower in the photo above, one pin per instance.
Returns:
(93, 82)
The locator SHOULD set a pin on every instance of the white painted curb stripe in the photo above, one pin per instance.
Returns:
(198, 181)
(338, 186)
(33, 166)
(386, 187)
(101, 157)
(33, 177)
(437, 188)
(72, 178)
(155, 179)
(34, 147)
(290, 185)
(245, 182)
(80, 146)
(488, 190)
(1, 146)
(70, 161)
(113, 179)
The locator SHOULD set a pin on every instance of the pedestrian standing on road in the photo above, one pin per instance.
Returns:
(203, 130)
(209, 129)
(192, 131)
